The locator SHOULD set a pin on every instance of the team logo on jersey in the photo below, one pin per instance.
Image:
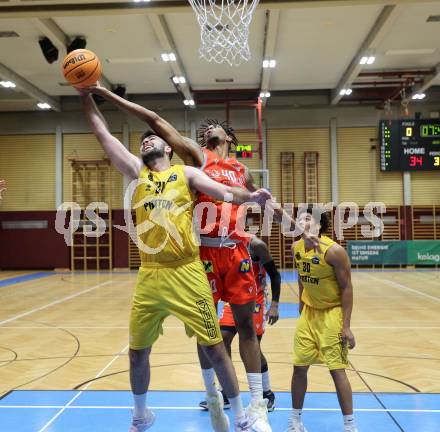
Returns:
(209, 268)
(245, 266)
(297, 256)
(315, 260)
(257, 308)
(172, 178)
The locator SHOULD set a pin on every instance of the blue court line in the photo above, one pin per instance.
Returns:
(25, 278)
(103, 411)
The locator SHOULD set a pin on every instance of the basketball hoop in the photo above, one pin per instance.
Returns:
(224, 29)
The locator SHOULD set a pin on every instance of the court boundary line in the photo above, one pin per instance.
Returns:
(62, 300)
(405, 288)
(196, 408)
(68, 404)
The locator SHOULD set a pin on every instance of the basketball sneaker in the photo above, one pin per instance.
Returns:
(350, 428)
(270, 396)
(143, 423)
(258, 410)
(219, 420)
(251, 425)
(226, 403)
(295, 426)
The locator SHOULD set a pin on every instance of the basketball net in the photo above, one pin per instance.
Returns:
(224, 29)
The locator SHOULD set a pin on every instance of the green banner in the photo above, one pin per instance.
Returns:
(424, 252)
(377, 252)
(394, 252)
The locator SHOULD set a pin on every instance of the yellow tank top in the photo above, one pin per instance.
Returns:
(164, 218)
(321, 289)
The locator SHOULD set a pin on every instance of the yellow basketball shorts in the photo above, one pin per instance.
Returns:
(318, 338)
(182, 291)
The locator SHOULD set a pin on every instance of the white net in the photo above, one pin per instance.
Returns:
(224, 29)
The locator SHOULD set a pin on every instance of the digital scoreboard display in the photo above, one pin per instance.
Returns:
(410, 145)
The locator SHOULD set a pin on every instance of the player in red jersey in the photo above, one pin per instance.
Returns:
(226, 257)
(262, 264)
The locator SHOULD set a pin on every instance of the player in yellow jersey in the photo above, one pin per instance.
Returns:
(323, 332)
(171, 279)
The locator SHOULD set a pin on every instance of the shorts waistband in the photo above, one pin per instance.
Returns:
(218, 242)
(170, 264)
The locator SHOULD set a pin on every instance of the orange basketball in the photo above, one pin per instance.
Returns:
(82, 68)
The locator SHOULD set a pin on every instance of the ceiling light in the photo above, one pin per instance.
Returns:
(139, 1)
(191, 102)
(264, 94)
(371, 60)
(167, 57)
(7, 84)
(363, 61)
(179, 80)
(43, 106)
(349, 92)
(345, 92)
(269, 63)
(419, 96)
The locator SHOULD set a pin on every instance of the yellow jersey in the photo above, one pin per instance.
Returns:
(321, 289)
(164, 218)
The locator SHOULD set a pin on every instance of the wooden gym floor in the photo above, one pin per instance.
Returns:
(65, 331)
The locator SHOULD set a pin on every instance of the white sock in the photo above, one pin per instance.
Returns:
(237, 408)
(266, 381)
(140, 404)
(209, 379)
(349, 419)
(255, 382)
(296, 414)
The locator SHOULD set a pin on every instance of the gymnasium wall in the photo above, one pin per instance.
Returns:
(27, 161)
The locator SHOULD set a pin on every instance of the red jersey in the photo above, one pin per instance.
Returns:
(232, 173)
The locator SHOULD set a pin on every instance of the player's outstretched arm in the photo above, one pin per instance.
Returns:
(337, 257)
(122, 159)
(260, 249)
(189, 151)
(200, 182)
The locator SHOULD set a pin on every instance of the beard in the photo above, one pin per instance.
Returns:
(152, 155)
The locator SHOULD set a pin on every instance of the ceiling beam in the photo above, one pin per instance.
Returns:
(428, 82)
(270, 41)
(28, 88)
(166, 42)
(49, 28)
(380, 28)
(89, 8)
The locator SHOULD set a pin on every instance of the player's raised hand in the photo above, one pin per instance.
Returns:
(314, 240)
(97, 89)
(260, 196)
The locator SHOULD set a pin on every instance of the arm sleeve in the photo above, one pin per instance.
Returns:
(275, 279)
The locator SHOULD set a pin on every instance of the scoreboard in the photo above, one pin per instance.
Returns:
(410, 145)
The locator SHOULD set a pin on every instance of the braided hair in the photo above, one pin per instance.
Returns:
(213, 122)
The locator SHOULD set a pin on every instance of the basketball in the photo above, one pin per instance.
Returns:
(82, 68)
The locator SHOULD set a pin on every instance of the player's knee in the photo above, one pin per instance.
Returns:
(246, 329)
(216, 353)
